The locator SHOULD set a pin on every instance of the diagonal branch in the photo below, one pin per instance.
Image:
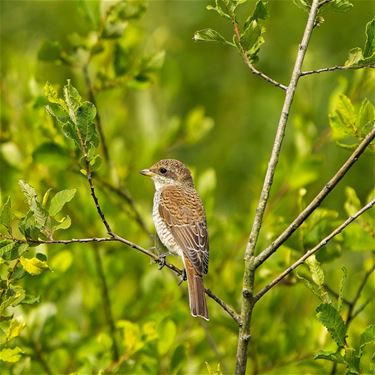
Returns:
(334, 68)
(322, 243)
(247, 302)
(316, 201)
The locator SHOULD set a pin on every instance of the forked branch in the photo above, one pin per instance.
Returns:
(308, 254)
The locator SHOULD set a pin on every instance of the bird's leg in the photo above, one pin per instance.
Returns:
(183, 276)
(161, 260)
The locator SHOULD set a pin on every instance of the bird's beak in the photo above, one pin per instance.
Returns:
(147, 172)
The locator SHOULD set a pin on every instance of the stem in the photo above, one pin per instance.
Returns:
(247, 303)
(95, 199)
(248, 62)
(98, 118)
(316, 201)
(322, 243)
(125, 195)
(106, 303)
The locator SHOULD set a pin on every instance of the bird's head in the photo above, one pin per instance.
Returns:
(169, 172)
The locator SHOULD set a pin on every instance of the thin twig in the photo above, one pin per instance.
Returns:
(106, 303)
(322, 243)
(334, 68)
(316, 201)
(247, 61)
(126, 196)
(231, 312)
(358, 294)
(99, 126)
(247, 303)
(362, 307)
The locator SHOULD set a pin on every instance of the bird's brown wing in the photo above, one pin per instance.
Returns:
(183, 213)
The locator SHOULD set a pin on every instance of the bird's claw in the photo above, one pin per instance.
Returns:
(183, 277)
(161, 261)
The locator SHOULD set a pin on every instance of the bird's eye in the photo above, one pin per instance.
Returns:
(162, 170)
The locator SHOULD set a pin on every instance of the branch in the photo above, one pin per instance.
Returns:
(247, 303)
(126, 196)
(316, 201)
(334, 68)
(350, 316)
(231, 312)
(322, 243)
(248, 62)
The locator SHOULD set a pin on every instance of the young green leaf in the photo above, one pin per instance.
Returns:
(366, 118)
(64, 224)
(10, 355)
(59, 201)
(330, 356)
(367, 337)
(332, 320)
(369, 48)
(14, 329)
(352, 360)
(219, 9)
(209, 35)
(5, 215)
(6, 246)
(39, 213)
(33, 266)
(341, 5)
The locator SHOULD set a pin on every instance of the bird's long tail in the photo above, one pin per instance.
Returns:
(197, 298)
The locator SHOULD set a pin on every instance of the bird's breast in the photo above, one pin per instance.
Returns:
(162, 229)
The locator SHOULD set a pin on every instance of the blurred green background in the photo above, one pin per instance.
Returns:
(204, 107)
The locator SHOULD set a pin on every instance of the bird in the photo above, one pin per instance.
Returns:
(180, 222)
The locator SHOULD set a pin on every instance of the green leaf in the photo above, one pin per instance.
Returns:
(317, 273)
(5, 215)
(352, 203)
(14, 329)
(366, 118)
(252, 39)
(341, 5)
(6, 246)
(352, 360)
(50, 51)
(65, 223)
(369, 48)
(39, 213)
(343, 118)
(219, 9)
(10, 355)
(302, 4)
(330, 356)
(313, 287)
(33, 266)
(332, 320)
(367, 337)
(355, 57)
(122, 60)
(91, 11)
(61, 261)
(59, 201)
(209, 35)
(260, 12)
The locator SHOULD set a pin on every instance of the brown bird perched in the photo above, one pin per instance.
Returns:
(180, 223)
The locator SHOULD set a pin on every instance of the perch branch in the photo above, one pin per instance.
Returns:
(316, 201)
(248, 278)
(115, 238)
(322, 243)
